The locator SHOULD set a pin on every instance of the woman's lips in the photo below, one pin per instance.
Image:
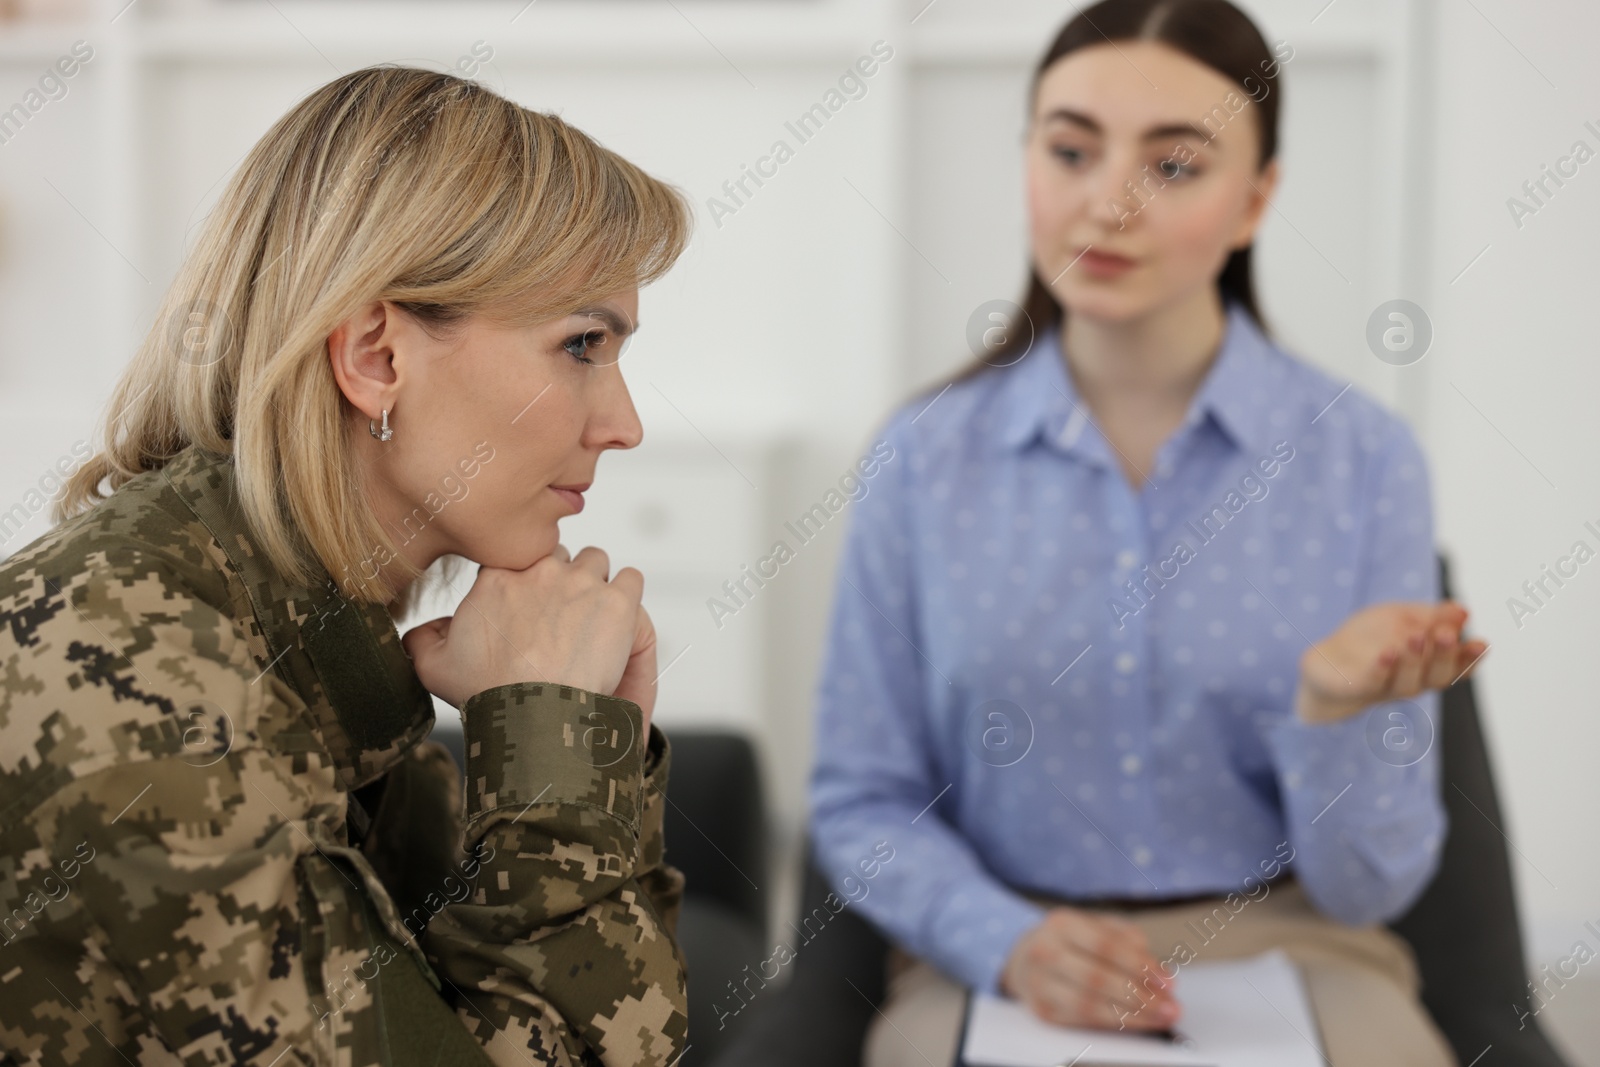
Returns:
(571, 494)
(1106, 264)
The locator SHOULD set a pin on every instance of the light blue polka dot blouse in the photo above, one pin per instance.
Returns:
(1039, 680)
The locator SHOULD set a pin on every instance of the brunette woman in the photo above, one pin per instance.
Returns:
(1135, 643)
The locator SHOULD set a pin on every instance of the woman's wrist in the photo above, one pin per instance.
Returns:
(1316, 708)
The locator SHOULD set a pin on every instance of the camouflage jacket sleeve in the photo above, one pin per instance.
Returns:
(563, 953)
(190, 820)
(662, 882)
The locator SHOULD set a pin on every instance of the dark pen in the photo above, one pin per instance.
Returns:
(1169, 1035)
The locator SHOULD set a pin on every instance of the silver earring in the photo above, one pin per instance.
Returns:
(385, 433)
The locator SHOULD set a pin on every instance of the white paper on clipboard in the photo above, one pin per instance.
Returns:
(1236, 1013)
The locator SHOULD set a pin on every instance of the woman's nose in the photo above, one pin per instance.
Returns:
(615, 422)
(1114, 191)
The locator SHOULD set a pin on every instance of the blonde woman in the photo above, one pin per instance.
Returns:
(226, 837)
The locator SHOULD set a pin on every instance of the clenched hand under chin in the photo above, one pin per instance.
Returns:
(560, 621)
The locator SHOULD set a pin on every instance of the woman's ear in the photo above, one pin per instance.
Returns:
(1262, 188)
(361, 351)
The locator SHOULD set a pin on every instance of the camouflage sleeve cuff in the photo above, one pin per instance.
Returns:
(657, 764)
(530, 743)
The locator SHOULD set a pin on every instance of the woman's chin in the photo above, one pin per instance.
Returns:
(517, 556)
(1105, 303)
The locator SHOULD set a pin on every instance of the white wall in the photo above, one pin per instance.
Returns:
(788, 330)
(1511, 427)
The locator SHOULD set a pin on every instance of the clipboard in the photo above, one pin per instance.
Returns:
(1250, 1012)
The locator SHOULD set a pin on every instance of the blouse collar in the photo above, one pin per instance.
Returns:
(1038, 399)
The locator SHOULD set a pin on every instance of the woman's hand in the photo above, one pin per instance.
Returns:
(1077, 968)
(1384, 652)
(639, 677)
(560, 621)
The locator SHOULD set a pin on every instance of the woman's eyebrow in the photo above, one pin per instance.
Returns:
(1163, 132)
(1167, 131)
(608, 318)
(1076, 118)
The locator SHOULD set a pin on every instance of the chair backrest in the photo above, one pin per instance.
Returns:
(835, 988)
(1463, 929)
(716, 830)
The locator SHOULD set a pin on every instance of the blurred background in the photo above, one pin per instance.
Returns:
(811, 304)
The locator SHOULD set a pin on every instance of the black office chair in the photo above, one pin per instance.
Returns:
(1463, 930)
(716, 834)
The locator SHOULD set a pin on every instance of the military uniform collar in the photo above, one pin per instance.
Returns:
(344, 658)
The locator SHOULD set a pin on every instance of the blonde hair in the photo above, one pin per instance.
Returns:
(391, 183)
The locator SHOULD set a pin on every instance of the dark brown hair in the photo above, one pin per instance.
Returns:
(1214, 33)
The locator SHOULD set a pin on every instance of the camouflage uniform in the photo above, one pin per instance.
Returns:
(227, 841)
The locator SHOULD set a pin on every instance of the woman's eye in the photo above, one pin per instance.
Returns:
(578, 345)
(1170, 169)
(1070, 156)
